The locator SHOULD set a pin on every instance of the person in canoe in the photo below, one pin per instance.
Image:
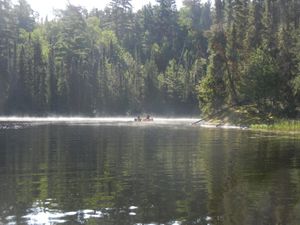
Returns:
(138, 119)
(148, 118)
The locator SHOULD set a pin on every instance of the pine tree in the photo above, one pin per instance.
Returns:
(25, 17)
(121, 16)
(236, 17)
(166, 32)
(22, 93)
(39, 79)
(212, 87)
(52, 82)
(7, 53)
(255, 30)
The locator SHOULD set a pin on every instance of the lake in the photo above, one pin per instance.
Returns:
(114, 171)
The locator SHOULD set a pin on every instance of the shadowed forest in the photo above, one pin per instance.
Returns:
(200, 58)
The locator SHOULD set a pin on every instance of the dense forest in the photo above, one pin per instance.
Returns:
(160, 59)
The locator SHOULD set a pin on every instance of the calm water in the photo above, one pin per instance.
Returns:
(119, 172)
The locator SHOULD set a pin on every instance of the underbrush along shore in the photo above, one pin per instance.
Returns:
(284, 125)
(248, 117)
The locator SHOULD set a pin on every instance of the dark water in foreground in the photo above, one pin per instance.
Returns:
(126, 173)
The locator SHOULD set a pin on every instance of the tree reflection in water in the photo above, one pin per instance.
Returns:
(62, 173)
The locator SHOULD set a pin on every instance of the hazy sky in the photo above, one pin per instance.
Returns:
(45, 7)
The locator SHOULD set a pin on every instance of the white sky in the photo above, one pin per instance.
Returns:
(45, 7)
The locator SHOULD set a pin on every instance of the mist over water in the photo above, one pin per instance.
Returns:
(14, 122)
(92, 119)
(20, 122)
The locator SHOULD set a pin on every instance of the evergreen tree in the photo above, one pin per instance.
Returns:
(7, 55)
(255, 31)
(39, 79)
(262, 81)
(21, 101)
(121, 19)
(25, 17)
(166, 32)
(52, 82)
(116, 60)
(212, 88)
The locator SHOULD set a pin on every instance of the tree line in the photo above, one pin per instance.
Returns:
(253, 57)
(159, 59)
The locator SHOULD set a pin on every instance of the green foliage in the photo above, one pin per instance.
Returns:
(252, 58)
(100, 61)
(207, 94)
(296, 79)
(212, 87)
(158, 59)
(281, 125)
(172, 82)
(261, 81)
(24, 16)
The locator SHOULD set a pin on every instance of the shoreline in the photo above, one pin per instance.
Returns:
(248, 118)
(265, 129)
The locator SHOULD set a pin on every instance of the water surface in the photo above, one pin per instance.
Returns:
(115, 171)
